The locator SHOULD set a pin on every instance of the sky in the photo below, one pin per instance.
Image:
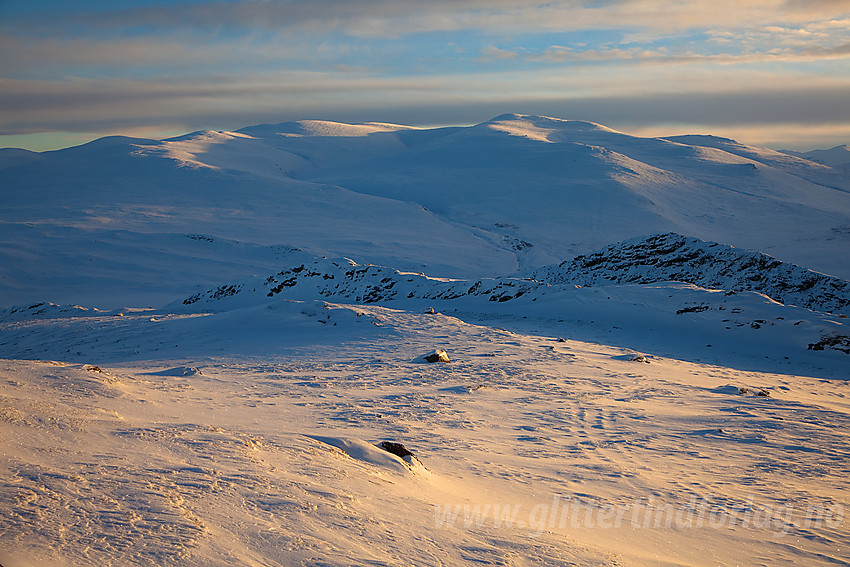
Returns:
(765, 72)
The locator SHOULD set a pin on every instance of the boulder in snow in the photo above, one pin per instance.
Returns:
(402, 452)
(437, 356)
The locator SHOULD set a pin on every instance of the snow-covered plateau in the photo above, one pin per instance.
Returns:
(216, 349)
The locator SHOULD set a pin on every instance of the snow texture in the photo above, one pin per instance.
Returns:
(211, 349)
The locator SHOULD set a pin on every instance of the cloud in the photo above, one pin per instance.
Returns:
(556, 54)
(369, 18)
(493, 53)
(228, 64)
(56, 53)
(777, 135)
(136, 55)
(394, 18)
(809, 5)
(630, 95)
(28, 106)
(194, 53)
(838, 51)
(559, 53)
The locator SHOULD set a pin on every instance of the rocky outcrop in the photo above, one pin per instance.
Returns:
(658, 258)
(342, 279)
(673, 257)
(437, 356)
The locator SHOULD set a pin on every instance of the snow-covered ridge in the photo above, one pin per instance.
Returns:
(102, 224)
(658, 258)
(543, 128)
(839, 156)
(673, 257)
(344, 280)
(323, 128)
(48, 310)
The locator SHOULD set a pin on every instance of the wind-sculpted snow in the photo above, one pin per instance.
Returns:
(673, 257)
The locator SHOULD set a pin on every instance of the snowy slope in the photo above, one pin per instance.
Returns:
(265, 399)
(118, 225)
(248, 436)
(516, 192)
(555, 188)
(838, 157)
(11, 157)
(672, 257)
(739, 322)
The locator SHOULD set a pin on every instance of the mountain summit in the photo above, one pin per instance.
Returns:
(155, 219)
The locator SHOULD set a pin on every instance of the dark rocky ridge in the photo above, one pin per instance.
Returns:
(343, 279)
(673, 257)
(658, 258)
(654, 259)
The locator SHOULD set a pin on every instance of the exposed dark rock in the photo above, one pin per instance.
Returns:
(658, 258)
(673, 257)
(694, 309)
(837, 342)
(200, 237)
(437, 356)
(395, 448)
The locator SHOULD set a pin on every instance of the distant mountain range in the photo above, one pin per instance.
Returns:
(141, 222)
(838, 157)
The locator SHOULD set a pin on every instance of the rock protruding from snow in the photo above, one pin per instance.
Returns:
(673, 257)
(437, 356)
(177, 372)
(377, 456)
(343, 279)
(654, 259)
(46, 310)
(403, 453)
(837, 342)
(395, 448)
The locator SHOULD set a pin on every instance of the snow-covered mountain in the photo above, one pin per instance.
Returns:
(838, 157)
(615, 386)
(660, 258)
(136, 221)
(673, 257)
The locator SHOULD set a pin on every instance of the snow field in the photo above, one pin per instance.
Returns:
(650, 403)
(270, 460)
